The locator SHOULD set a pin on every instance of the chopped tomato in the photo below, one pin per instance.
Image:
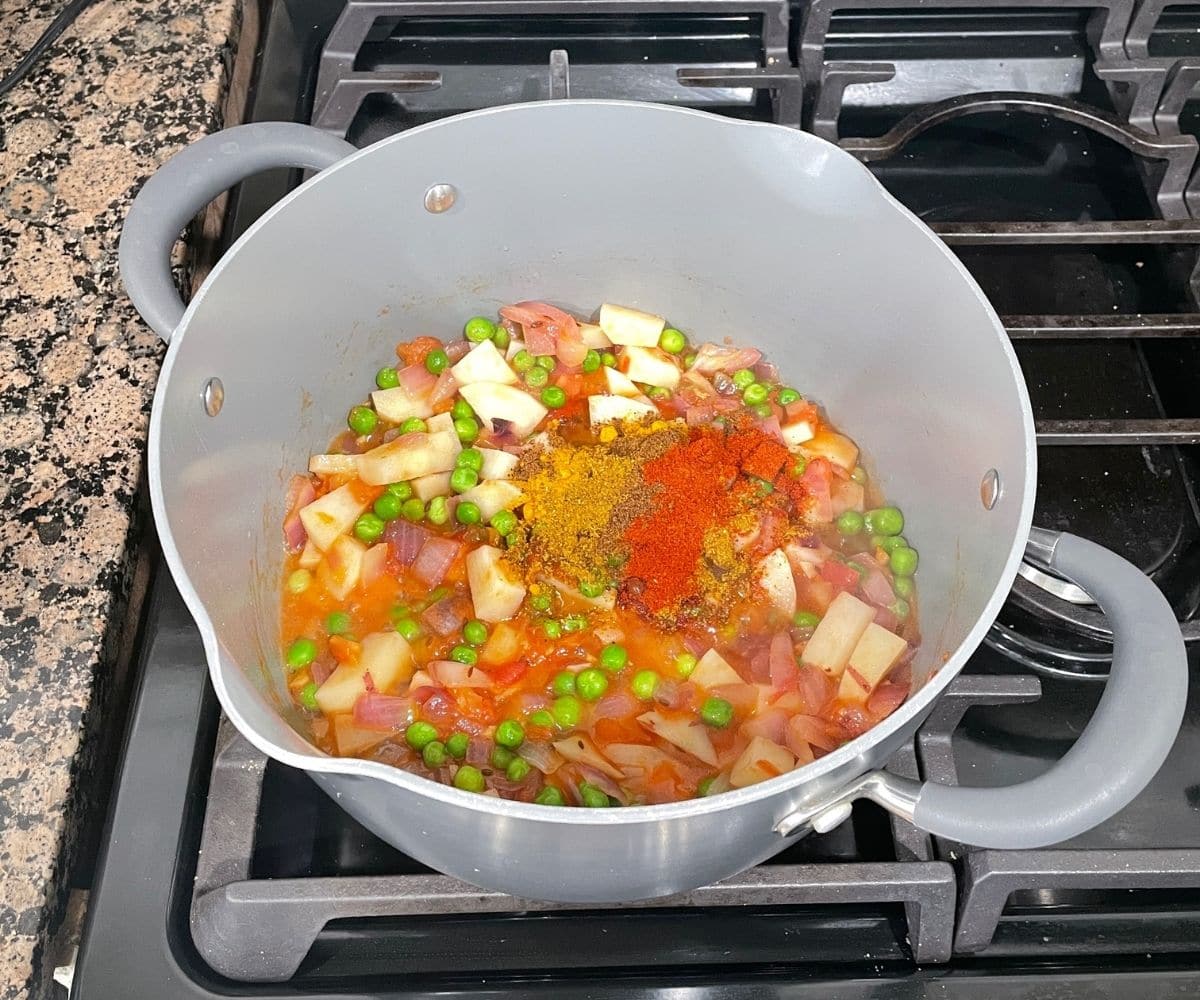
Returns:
(413, 352)
(839, 574)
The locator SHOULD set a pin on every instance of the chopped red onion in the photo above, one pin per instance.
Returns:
(434, 559)
(782, 666)
(416, 380)
(383, 711)
(405, 539)
(446, 617)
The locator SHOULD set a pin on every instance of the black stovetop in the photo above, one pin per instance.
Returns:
(225, 875)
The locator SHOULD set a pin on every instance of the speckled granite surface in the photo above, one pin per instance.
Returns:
(125, 87)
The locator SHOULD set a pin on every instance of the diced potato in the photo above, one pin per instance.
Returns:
(333, 465)
(409, 456)
(686, 734)
(606, 409)
(497, 464)
(386, 656)
(483, 363)
(310, 556)
(607, 600)
(441, 423)
(797, 432)
(623, 325)
(713, 670)
(374, 563)
(343, 566)
(775, 575)
(330, 516)
(351, 738)
(870, 661)
(397, 405)
(493, 495)
(837, 634)
(847, 495)
(650, 366)
(762, 759)
(593, 337)
(620, 384)
(425, 488)
(578, 747)
(495, 591)
(493, 401)
(503, 646)
(838, 448)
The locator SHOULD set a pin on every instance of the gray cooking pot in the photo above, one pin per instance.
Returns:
(755, 232)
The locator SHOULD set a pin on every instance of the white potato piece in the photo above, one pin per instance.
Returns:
(630, 327)
(620, 384)
(593, 337)
(493, 495)
(796, 433)
(310, 556)
(497, 464)
(332, 515)
(870, 662)
(443, 423)
(343, 566)
(838, 448)
(425, 488)
(689, 736)
(713, 670)
(396, 404)
(606, 409)
(493, 401)
(496, 592)
(762, 759)
(775, 575)
(837, 634)
(385, 655)
(333, 465)
(409, 456)
(650, 366)
(483, 363)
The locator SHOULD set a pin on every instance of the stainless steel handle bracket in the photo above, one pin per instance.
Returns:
(897, 795)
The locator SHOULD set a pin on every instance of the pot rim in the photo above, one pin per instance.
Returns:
(792, 782)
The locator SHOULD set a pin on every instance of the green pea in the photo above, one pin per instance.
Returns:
(553, 397)
(469, 779)
(787, 395)
(419, 735)
(402, 491)
(462, 480)
(467, 513)
(457, 744)
(672, 341)
(608, 359)
(589, 588)
(337, 623)
(689, 359)
(541, 602)
(716, 712)
(903, 561)
(522, 361)
(517, 770)
(469, 458)
(537, 377)
(501, 757)
(308, 696)
(408, 629)
(437, 361)
(478, 329)
(413, 425)
(439, 511)
(362, 419)
(461, 410)
(885, 521)
(552, 629)
(890, 544)
(301, 653)
(387, 378)
(763, 411)
(591, 684)
(850, 522)
(903, 586)
(859, 475)
(413, 509)
(685, 663)
(593, 797)
(806, 619)
(613, 657)
(644, 684)
(566, 711)
(542, 719)
(900, 608)
(434, 754)
(743, 377)
(755, 393)
(369, 527)
(702, 789)
(550, 796)
(475, 632)
(504, 521)
(658, 393)
(467, 429)
(563, 683)
(798, 466)
(764, 488)
(546, 361)
(299, 581)
(510, 733)
(501, 338)
(591, 361)
(388, 506)
(464, 654)
(574, 623)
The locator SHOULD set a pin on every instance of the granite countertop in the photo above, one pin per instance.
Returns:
(128, 84)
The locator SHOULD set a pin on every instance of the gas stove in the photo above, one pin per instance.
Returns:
(1052, 145)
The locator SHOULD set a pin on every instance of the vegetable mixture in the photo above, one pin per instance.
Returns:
(592, 565)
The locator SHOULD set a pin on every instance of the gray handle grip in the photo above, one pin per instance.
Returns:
(190, 180)
(1122, 748)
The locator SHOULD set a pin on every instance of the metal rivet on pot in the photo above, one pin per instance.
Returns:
(440, 198)
(214, 396)
(990, 489)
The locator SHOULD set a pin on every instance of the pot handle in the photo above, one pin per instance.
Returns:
(1114, 758)
(190, 180)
